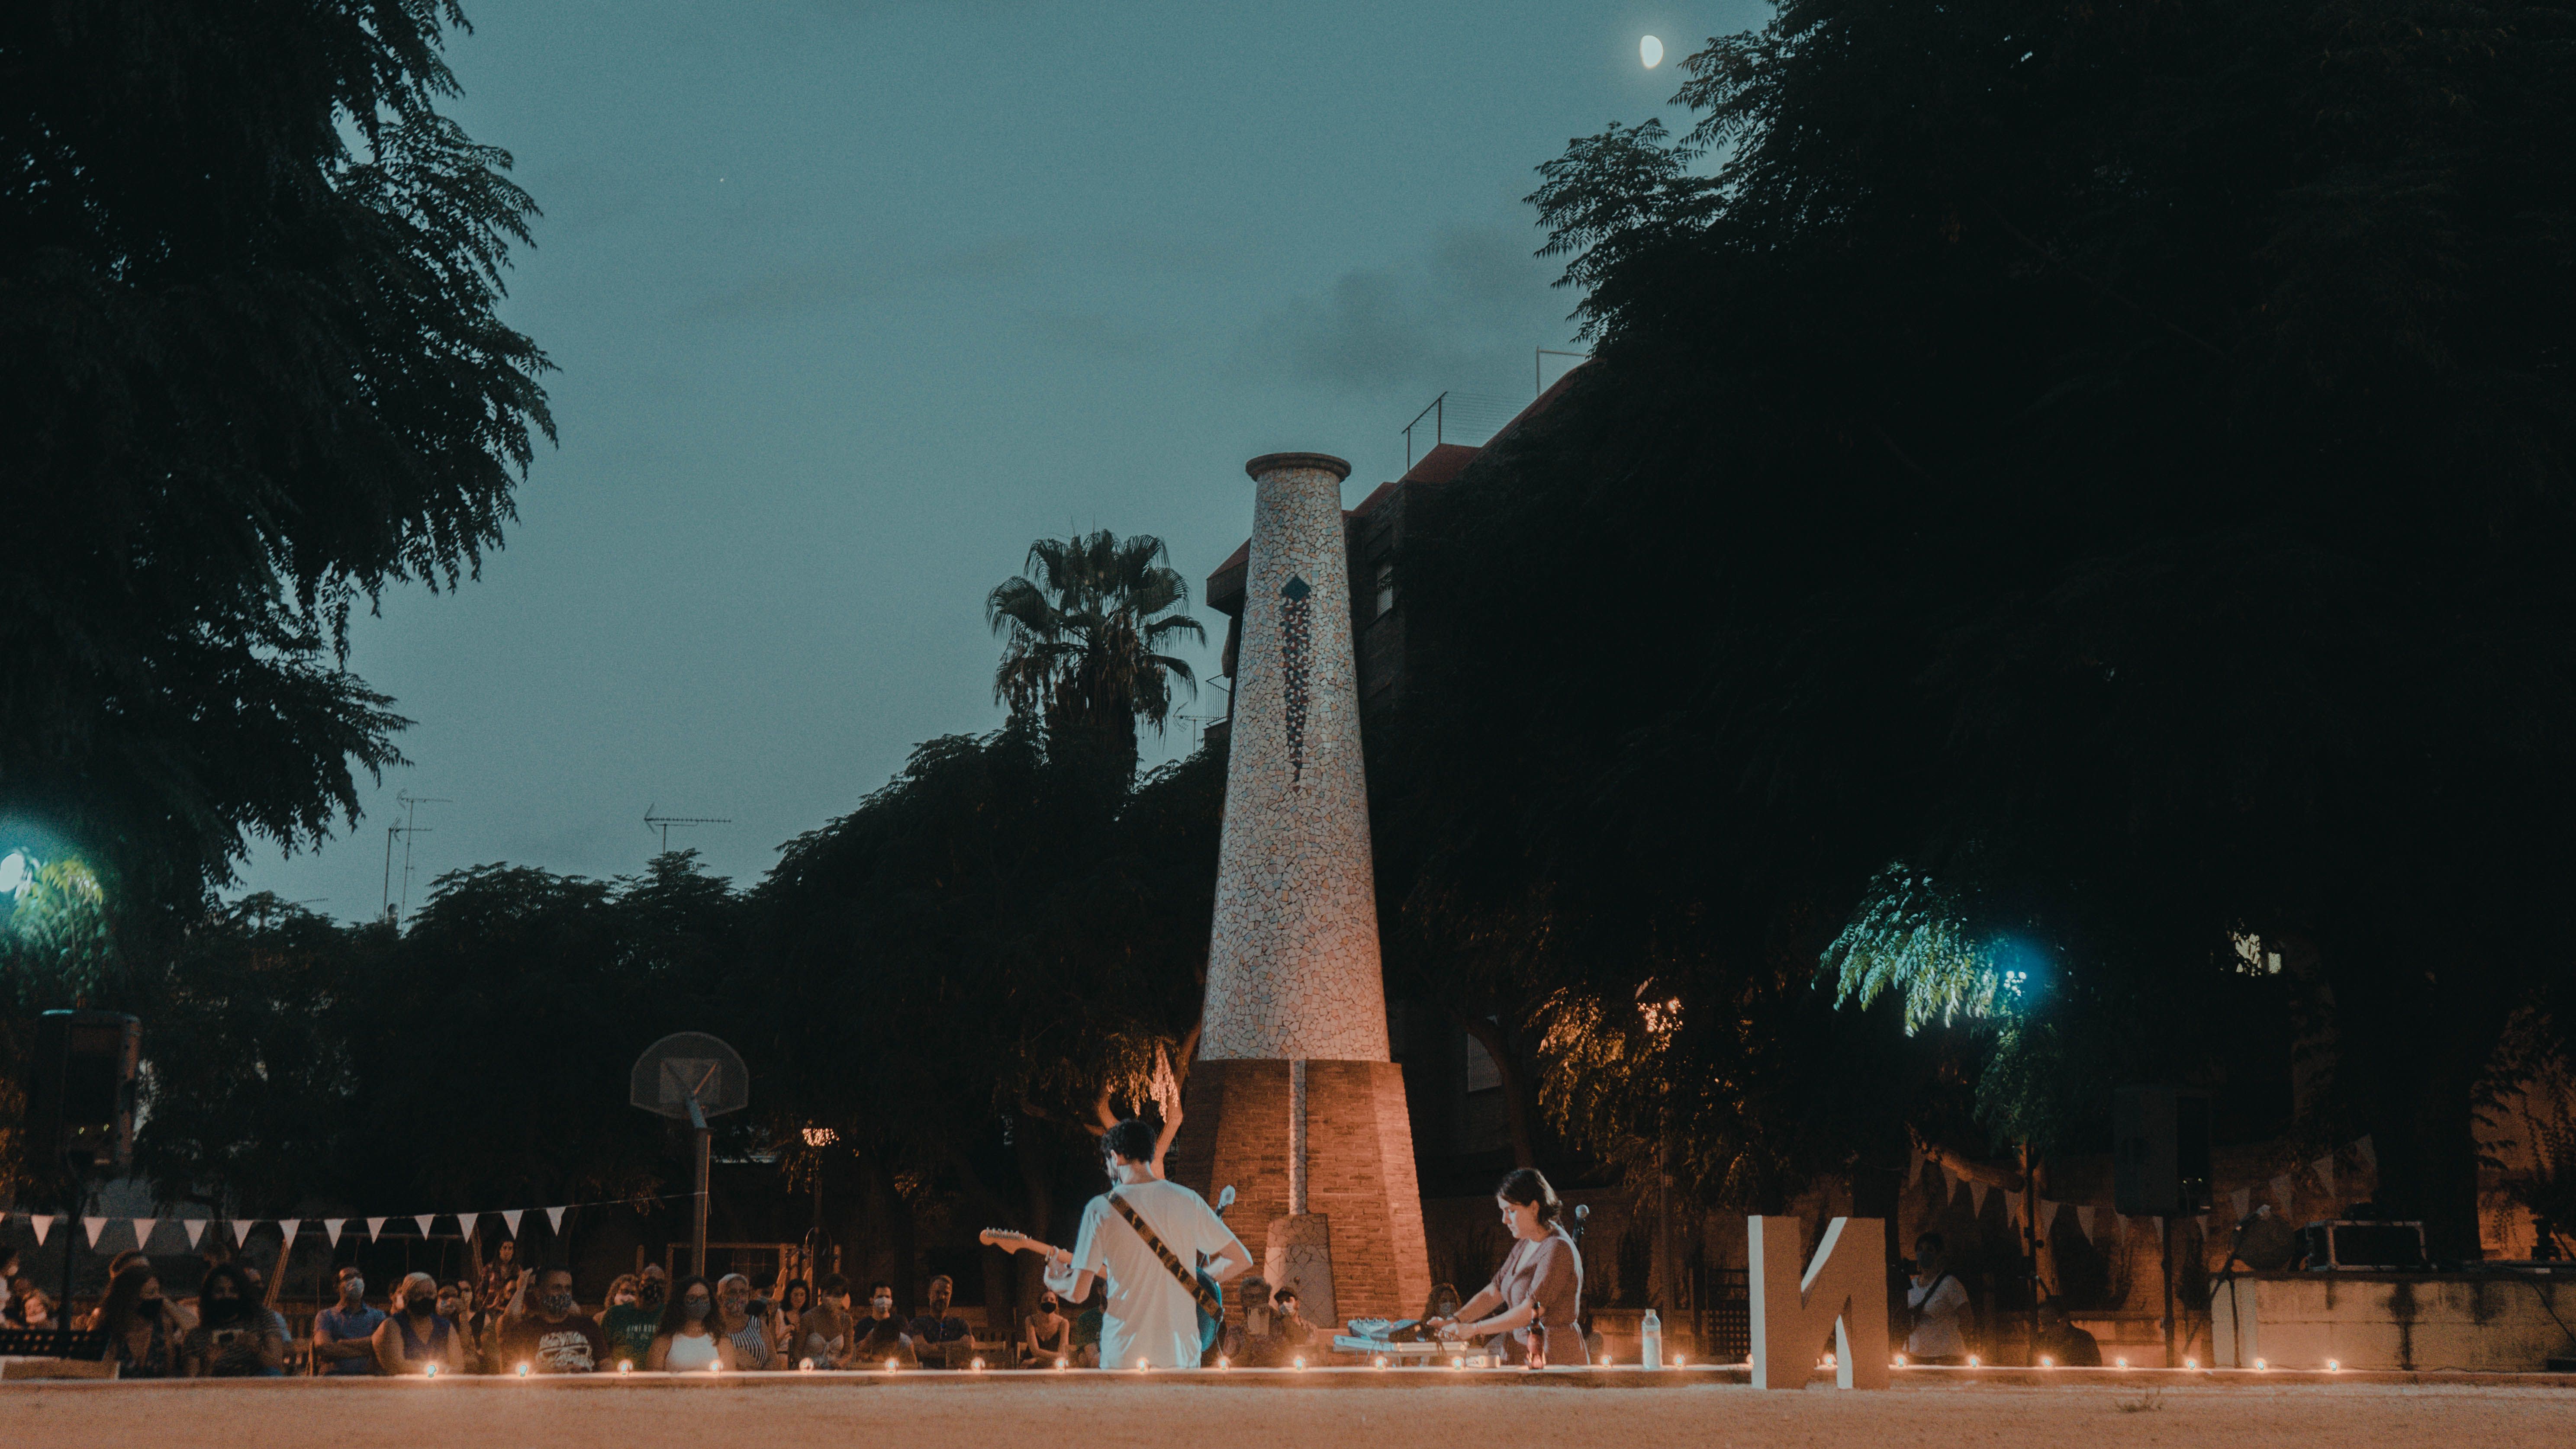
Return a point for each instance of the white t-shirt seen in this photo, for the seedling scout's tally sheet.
(1148, 1315)
(1938, 1306)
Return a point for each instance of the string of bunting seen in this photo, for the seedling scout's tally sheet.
(43, 1223)
(2281, 1190)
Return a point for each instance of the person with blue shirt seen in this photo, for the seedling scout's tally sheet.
(344, 1334)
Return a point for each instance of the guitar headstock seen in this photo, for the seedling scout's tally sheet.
(1004, 1238)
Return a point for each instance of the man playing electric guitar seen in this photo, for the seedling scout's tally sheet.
(1143, 1236)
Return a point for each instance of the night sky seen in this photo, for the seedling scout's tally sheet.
(852, 301)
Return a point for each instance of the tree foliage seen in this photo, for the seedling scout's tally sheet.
(2110, 461)
(1086, 640)
(251, 374)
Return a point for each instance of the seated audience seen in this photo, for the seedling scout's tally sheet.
(748, 1326)
(344, 1334)
(414, 1339)
(2061, 1342)
(881, 1335)
(237, 1335)
(690, 1339)
(544, 1330)
(143, 1335)
(825, 1334)
(938, 1335)
(1047, 1335)
(629, 1326)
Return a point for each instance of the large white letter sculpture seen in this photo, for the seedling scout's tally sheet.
(1846, 1287)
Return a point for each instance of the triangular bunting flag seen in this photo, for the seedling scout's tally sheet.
(1977, 1197)
(510, 1219)
(375, 1226)
(2281, 1193)
(331, 1229)
(143, 1232)
(423, 1220)
(241, 1232)
(93, 1224)
(2369, 1151)
(196, 1230)
(288, 1226)
(2084, 1219)
(2242, 1199)
(554, 1218)
(2324, 1168)
(43, 1223)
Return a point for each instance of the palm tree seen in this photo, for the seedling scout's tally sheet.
(1086, 636)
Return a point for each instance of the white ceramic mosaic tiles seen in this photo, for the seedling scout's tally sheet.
(1293, 963)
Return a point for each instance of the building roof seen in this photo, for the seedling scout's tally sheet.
(1444, 462)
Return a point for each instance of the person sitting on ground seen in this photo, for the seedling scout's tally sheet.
(499, 1278)
(543, 1328)
(344, 1335)
(34, 1309)
(1047, 1335)
(237, 1336)
(881, 1335)
(90, 1321)
(143, 1335)
(935, 1330)
(689, 1339)
(629, 1326)
(1288, 1325)
(823, 1334)
(794, 1301)
(1939, 1305)
(2062, 1343)
(413, 1339)
(748, 1326)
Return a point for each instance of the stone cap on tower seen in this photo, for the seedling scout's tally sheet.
(1269, 463)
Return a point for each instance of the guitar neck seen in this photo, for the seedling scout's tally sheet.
(1017, 1243)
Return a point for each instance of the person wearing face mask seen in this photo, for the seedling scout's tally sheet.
(629, 1325)
(753, 1334)
(344, 1335)
(236, 1336)
(415, 1340)
(823, 1332)
(691, 1339)
(543, 1329)
(1047, 1334)
(880, 1335)
(142, 1333)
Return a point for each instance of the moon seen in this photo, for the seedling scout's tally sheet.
(1651, 51)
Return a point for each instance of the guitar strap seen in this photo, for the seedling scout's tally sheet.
(1208, 1302)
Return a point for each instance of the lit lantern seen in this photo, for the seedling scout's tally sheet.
(1059, 1363)
(2261, 1364)
(523, 1370)
(1972, 1361)
(1297, 1363)
(2046, 1362)
(805, 1365)
(2191, 1363)
(1221, 1363)
(1458, 1361)
(627, 1365)
(889, 1365)
(2334, 1366)
(1899, 1361)
(977, 1364)
(430, 1372)
(2119, 1363)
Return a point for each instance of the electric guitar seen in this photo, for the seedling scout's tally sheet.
(1211, 1321)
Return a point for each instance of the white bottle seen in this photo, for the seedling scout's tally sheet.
(1650, 1337)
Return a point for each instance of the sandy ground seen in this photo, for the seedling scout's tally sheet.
(1103, 1413)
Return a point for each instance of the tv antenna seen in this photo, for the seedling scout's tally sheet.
(410, 804)
(663, 823)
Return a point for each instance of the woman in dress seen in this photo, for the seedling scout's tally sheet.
(1537, 1294)
(689, 1340)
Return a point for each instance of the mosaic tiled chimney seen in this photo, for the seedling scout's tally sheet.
(1293, 1100)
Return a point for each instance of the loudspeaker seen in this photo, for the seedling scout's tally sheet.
(2159, 1151)
(80, 1090)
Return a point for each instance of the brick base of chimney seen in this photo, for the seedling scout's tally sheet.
(1359, 1170)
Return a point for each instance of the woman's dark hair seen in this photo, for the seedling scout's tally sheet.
(835, 1285)
(125, 1299)
(675, 1312)
(787, 1300)
(230, 1273)
(1528, 1187)
(1930, 1242)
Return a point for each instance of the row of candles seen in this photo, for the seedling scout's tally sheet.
(1459, 1361)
